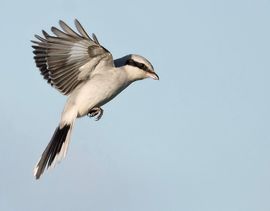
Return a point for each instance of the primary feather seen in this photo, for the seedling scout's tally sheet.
(68, 58)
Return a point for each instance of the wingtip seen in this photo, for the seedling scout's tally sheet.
(61, 23)
(37, 36)
(40, 38)
(45, 34)
(95, 38)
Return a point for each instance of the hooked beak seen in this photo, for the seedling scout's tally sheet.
(152, 74)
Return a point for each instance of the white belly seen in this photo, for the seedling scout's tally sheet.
(97, 92)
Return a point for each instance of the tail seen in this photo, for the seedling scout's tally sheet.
(55, 151)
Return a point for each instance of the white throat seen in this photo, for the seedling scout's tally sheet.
(133, 73)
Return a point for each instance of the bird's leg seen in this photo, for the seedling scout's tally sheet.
(96, 112)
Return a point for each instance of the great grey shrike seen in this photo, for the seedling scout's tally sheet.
(78, 66)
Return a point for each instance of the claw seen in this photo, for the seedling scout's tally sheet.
(96, 112)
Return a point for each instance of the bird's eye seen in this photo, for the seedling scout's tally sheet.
(129, 62)
(136, 64)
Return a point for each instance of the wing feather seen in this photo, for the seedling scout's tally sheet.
(67, 29)
(60, 34)
(68, 58)
(95, 38)
(81, 30)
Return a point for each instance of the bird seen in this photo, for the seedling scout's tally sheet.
(79, 67)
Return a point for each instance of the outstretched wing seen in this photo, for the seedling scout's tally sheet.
(69, 58)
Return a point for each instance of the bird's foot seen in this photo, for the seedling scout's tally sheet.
(96, 112)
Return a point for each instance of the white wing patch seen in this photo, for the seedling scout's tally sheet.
(68, 58)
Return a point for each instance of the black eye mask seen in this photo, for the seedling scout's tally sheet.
(142, 66)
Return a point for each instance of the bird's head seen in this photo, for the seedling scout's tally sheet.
(139, 67)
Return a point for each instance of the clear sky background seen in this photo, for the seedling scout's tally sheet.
(197, 140)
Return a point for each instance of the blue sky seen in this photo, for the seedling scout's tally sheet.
(197, 140)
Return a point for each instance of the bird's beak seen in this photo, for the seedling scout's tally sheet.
(152, 74)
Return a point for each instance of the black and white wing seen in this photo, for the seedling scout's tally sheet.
(69, 58)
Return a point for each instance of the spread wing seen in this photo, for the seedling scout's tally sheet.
(69, 58)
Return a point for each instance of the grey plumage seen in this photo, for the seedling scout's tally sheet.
(78, 66)
(60, 57)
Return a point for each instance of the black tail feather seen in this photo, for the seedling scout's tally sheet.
(53, 148)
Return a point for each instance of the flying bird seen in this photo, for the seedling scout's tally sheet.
(79, 67)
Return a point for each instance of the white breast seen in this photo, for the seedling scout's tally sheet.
(98, 91)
